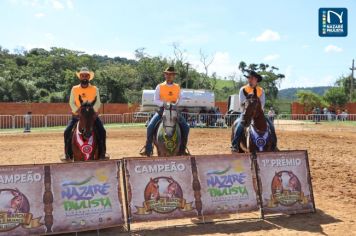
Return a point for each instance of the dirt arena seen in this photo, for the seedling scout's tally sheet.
(332, 159)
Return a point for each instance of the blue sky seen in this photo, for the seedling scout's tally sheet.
(278, 32)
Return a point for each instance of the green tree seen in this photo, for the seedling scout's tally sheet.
(310, 100)
(336, 97)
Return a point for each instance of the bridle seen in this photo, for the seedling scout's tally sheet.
(170, 116)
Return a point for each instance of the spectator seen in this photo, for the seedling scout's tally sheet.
(27, 119)
(271, 115)
(314, 114)
(317, 114)
(344, 115)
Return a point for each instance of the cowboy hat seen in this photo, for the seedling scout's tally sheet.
(85, 70)
(254, 74)
(170, 70)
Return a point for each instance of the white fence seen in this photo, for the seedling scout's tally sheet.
(194, 119)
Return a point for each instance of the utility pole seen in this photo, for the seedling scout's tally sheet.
(352, 79)
(186, 77)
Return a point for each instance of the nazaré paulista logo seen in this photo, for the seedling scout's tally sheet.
(332, 22)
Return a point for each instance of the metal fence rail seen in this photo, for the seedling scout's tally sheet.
(53, 120)
(195, 120)
(6, 121)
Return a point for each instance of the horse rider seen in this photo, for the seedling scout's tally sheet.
(88, 92)
(253, 79)
(167, 91)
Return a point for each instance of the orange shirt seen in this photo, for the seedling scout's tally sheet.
(169, 93)
(249, 90)
(87, 94)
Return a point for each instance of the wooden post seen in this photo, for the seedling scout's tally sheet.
(259, 185)
(196, 187)
(48, 200)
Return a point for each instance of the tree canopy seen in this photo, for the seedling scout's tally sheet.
(41, 75)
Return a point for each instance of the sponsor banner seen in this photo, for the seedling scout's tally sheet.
(160, 188)
(226, 184)
(285, 182)
(85, 196)
(21, 193)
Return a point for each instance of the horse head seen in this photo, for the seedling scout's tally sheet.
(87, 117)
(253, 107)
(169, 118)
(16, 202)
(152, 190)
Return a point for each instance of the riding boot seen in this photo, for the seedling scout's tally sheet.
(147, 150)
(235, 144)
(102, 150)
(68, 153)
(183, 151)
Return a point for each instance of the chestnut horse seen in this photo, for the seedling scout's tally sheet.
(84, 137)
(257, 134)
(152, 190)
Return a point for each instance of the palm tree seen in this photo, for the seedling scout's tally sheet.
(252, 66)
(242, 66)
(262, 67)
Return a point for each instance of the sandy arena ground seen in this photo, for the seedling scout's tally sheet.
(332, 160)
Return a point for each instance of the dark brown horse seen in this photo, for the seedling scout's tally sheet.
(84, 137)
(257, 134)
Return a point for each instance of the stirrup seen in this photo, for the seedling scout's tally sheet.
(185, 152)
(65, 158)
(234, 149)
(106, 157)
(143, 152)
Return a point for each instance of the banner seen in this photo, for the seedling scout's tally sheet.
(21, 207)
(159, 189)
(226, 184)
(285, 181)
(85, 196)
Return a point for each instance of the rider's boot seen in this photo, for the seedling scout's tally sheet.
(235, 148)
(147, 150)
(67, 151)
(183, 151)
(102, 150)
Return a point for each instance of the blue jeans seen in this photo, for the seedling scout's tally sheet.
(240, 129)
(151, 129)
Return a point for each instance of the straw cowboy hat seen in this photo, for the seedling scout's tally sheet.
(85, 70)
(254, 74)
(170, 70)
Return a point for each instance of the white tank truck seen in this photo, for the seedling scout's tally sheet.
(233, 109)
(192, 101)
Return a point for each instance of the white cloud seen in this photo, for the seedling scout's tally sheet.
(332, 48)
(267, 35)
(305, 46)
(222, 64)
(271, 57)
(70, 4)
(306, 80)
(57, 4)
(40, 15)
